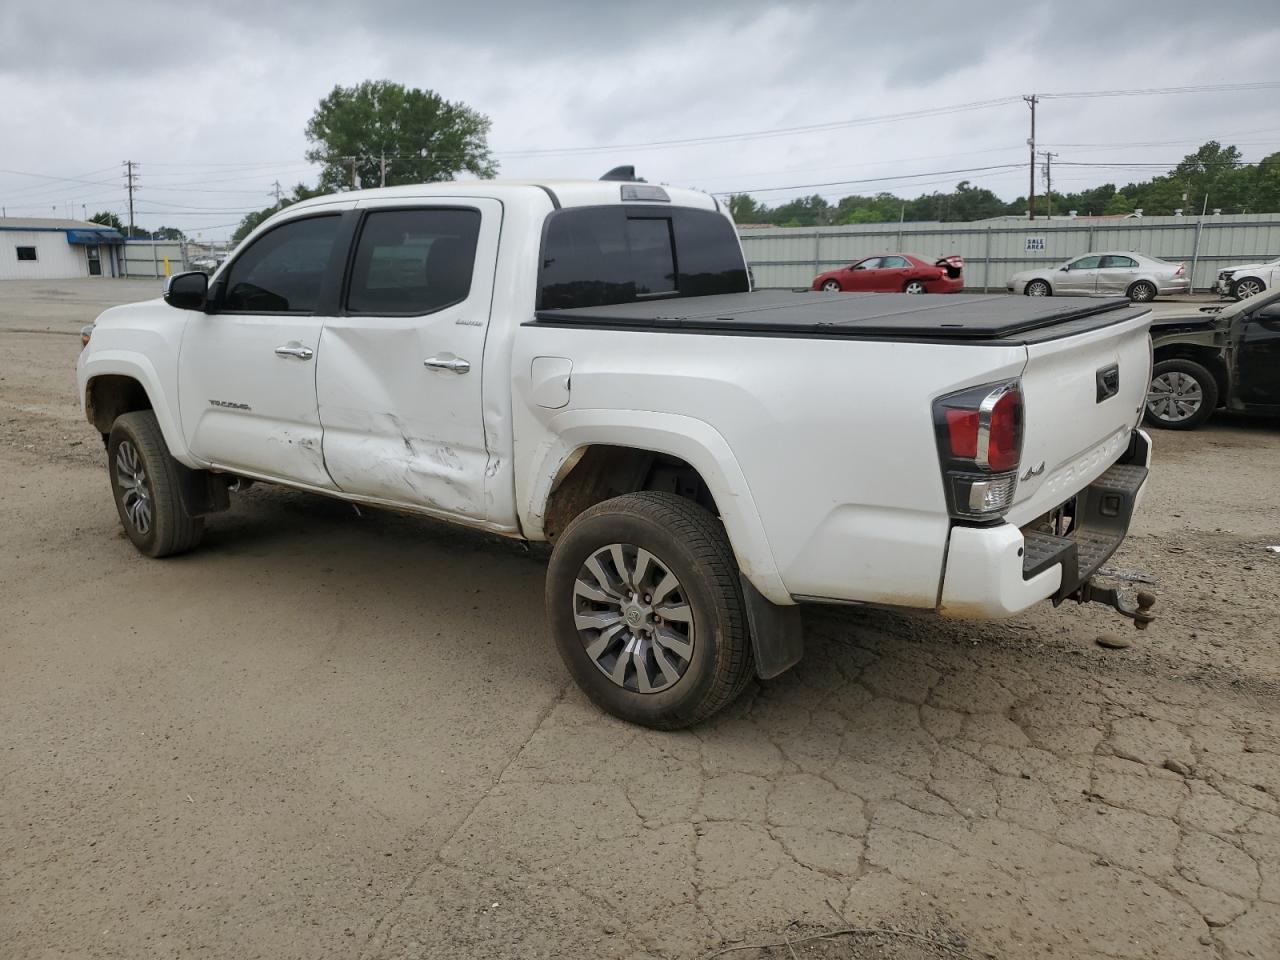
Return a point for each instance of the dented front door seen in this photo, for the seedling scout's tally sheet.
(399, 372)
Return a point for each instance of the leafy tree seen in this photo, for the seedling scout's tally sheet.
(422, 136)
(1119, 203)
(107, 220)
(745, 208)
(252, 220)
(168, 233)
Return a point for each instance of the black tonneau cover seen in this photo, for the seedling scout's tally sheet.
(894, 316)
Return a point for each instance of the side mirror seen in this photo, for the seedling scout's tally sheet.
(1064, 268)
(187, 291)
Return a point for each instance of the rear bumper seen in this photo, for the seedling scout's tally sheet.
(945, 285)
(994, 572)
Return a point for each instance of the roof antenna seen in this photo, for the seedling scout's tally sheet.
(627, 174)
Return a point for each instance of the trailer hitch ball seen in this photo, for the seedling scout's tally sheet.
(1140, 612)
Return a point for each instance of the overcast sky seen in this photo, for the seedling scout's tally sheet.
(212, 101)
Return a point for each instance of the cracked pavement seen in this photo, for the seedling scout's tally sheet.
(331, 735)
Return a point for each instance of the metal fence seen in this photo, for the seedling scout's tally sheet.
(993, 250)
(147, 258)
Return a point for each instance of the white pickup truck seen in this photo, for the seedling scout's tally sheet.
(584, 363)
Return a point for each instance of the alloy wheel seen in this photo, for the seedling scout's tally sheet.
(135, 491)
(634, 618)
(1248, 288)
(831, 286)
(1174, 396)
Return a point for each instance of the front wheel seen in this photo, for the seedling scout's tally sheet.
(646, 610)
(1037, 288)
(1182, 395)
(144, 483)
(1247, 287)
(831, 286)
(915, 286)
(1142, 292)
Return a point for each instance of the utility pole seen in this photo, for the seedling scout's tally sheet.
(1048, 180)
(276, 192)
(382, 166)
(1031, 142)
(355, 176)
(131, 178)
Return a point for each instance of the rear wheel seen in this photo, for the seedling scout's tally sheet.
(831, 286)
(1247, 287)
(144, 482)
(1038, 288)
(915, 286)
(1142, 292)
(1182, 395)
(646, 609)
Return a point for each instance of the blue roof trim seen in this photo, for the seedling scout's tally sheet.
(90, 237)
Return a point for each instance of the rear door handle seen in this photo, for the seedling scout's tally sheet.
(296, 350)
(447, 361)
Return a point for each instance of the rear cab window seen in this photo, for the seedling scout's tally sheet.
(621, 253)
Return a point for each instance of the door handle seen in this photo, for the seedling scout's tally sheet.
(447, 361)
(295, 350)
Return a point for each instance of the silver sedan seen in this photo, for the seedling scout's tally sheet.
(1133, 275)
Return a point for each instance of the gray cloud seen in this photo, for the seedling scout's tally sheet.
(189, 95)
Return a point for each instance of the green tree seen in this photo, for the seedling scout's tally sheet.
(744, 208)
(379, 128)
(107, 220)
(168, 233)
(1118, 203)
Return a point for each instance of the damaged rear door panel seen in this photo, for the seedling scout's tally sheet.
(399, 373)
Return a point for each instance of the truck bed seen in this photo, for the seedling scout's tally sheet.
(967, 318)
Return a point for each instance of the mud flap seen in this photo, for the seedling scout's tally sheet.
(202, 492)
(777, 635)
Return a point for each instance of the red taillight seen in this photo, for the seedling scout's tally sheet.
(1182, 268)
(962, 431)
(980, 443)
(1004, 446)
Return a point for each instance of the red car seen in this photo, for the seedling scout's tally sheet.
(895, 273)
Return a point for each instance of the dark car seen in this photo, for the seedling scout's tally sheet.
(1220, 358)
(895, 273)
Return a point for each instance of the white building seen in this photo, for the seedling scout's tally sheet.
(44, 249)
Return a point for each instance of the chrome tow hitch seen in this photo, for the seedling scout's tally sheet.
(1140, 612)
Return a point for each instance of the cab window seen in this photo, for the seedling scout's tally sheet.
(282, 271)
(893, 263)
(871, 263)
(413, 262)
(1118, 263)
(1085, 263)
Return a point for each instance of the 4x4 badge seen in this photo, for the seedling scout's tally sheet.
(1033, 472)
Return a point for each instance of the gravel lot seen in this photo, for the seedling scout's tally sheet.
(326, 735)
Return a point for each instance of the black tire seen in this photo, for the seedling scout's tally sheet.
(136, 439)
(914, 286)
(1040, 285)
(1142, 292)
(1246, 287)
(691, 544)
(1204, 380)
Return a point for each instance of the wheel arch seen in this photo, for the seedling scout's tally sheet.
(592, 458)
(118, 385)
(1027, 286)
(1155, 287)
(1236, 281)
(1208, 357)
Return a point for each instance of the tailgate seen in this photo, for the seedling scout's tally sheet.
(1083, 396)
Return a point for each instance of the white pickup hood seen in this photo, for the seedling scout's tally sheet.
(1071, 435)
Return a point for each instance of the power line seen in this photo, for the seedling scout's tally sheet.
(1166, 91)
(901, 176)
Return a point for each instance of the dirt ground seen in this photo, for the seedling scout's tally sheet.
(332, 735)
